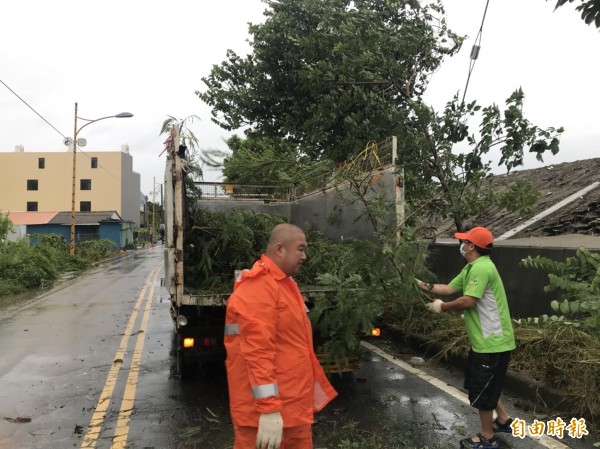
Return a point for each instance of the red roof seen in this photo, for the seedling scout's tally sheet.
(30, 218)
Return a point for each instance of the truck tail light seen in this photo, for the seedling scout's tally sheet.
(188, 342)
(206, 341)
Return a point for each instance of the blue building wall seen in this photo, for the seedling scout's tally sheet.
(111, 230)
(119, 232)
(44, 229)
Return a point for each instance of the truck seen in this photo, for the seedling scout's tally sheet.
(199, 319)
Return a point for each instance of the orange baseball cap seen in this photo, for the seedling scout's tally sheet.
(479, 235)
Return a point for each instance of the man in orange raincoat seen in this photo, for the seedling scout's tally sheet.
(275, 380)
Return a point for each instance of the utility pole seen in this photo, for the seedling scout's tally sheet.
(153, 207)
(399, 189)
(72, 240)
(75, 134)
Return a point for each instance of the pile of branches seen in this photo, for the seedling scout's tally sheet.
(218, 243)
(565, 359)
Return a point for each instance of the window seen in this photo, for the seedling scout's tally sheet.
(85, 233)
(85, 184)
(41, 162)
(85, 206)
(94, 162)
(32, 184)
(32, 206)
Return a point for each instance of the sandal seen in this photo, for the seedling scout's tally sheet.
(483, 443)
(503, 428)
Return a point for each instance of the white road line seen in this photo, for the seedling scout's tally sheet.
(544, 440)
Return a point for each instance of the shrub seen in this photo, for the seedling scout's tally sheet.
(24, 267)
(95, 250)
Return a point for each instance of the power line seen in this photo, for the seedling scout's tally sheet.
(29, 106)
(64, 137)
(475, 51)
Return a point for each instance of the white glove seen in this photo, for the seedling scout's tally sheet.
(270, 431)
(435, 306)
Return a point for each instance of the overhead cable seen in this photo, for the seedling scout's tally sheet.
(64, 137)
(475, 51)
(29, 106)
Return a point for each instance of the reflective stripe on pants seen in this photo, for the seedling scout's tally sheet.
(293, 437)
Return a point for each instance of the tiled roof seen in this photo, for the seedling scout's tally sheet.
(86, 218)
(31, 218)
(557, 184)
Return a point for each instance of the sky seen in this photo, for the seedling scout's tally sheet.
(148, 58)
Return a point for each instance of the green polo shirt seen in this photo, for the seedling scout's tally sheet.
(488, 324)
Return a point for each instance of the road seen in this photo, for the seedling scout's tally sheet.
(90, 365)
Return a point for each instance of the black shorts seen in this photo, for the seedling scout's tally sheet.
(484, 378)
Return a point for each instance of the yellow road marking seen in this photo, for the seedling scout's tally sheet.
(122, 429)
(93, 432)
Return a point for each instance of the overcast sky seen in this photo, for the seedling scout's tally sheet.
(147, 58)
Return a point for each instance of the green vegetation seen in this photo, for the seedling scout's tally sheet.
(218, 243)
(5, 227)
(563, 358)
(25, 266)
(577, 284)
(324, 78)
(562, 351)
(589, 9)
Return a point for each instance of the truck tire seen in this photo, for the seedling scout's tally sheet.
(185, 368)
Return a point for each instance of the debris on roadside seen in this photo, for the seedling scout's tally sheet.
(18, 419)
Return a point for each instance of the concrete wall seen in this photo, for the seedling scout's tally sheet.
(130, 190)
(225, 205)
(336, 214)
(18, 232)
(524, 286)
(127, 234)
(328, 211)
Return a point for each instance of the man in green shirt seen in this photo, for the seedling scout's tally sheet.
(488, 324)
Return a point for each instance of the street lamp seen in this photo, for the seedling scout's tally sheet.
(75, 133)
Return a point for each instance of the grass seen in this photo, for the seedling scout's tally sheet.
(560, 356)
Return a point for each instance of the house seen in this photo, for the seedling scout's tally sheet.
(88, 226)
(43, 182)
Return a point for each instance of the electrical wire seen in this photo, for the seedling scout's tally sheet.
(475, 51)
(64, 137)
(29, 106)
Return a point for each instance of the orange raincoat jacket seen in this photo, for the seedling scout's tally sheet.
(271, 364)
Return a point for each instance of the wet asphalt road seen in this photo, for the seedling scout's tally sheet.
(91, 364)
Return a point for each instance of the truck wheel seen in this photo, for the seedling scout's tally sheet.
(185, 369)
